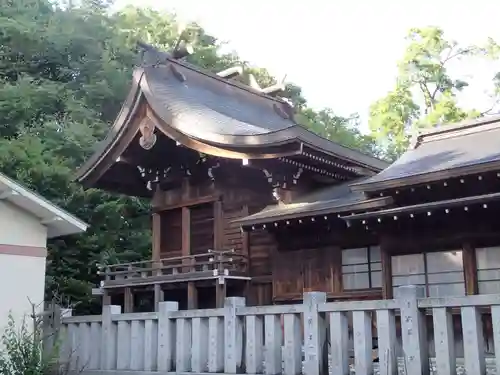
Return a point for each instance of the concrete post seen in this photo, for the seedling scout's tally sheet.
(108, 337)
(233, 335)
(316, 357)
(166, 336)
(413, 330)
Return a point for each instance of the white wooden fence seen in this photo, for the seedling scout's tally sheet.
(312, 338)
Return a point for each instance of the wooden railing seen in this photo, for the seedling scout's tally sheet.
(199, 266)
(313, 338)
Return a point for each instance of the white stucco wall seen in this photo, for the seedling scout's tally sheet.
(22, 263)
(18, 227)
(22, 280)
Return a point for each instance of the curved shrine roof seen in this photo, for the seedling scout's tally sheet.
(206, 112)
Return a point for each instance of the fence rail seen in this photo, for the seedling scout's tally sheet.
(311, 338)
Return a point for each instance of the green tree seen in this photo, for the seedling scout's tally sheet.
(64, 73)
(425, 94)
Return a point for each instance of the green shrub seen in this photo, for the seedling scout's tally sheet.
(21, 350)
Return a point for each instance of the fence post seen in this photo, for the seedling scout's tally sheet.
(108, 337)
(166, 336)
(413, 330)
(233, 335)
(50, 330)
(316, 352)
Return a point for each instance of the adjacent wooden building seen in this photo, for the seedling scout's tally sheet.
(247, 202)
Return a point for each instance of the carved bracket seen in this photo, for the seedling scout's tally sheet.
(282, 180)
(153, 176)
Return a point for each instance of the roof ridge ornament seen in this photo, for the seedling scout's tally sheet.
(232, 72)
(270, 90)
(181, 50)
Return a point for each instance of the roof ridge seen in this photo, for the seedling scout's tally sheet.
(234, 83)
(457, 129)
(167, 56)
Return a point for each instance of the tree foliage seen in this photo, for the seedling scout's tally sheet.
(64, 72)
(425, 94)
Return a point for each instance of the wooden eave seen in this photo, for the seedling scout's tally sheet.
(425, 178)
(416, 208)
(328, 210)
(441, 153)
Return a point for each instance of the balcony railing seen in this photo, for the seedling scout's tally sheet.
(210, 265)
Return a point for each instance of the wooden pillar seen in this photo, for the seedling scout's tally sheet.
(156, 257)
(192, 293)
(156, 243)
(186, 231)
(159, 296)
(386, 264)
(106, 298)
(218, 226)
(220, 293)
(128, 301)
(470, 268)
(192, 296)
(245, 248)
(336, 270)
(220, 289)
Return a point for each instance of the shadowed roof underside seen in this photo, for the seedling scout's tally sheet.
(446, 152)
(217, 116)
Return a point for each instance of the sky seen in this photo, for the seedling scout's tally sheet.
(343, 53)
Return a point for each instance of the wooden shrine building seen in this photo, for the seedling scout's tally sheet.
(428, 219)
(208, 150)
(246, 202)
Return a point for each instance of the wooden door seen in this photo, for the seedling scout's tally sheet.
(288, 275)
(317, 266)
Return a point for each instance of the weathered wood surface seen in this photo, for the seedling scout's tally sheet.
(174, 269)
(312, 338)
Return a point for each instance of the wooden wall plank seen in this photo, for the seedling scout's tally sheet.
(218, 226)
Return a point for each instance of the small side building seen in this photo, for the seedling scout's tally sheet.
(26, 222)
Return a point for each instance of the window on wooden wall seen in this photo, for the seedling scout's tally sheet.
(488, 270)
(441, 273)
(361, 268)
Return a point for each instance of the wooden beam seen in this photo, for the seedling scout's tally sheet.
(186, 203)
(470, 268)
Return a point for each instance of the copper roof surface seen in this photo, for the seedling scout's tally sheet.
(445, 152)
(214, 115)
(223, 113)
(334, 199)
